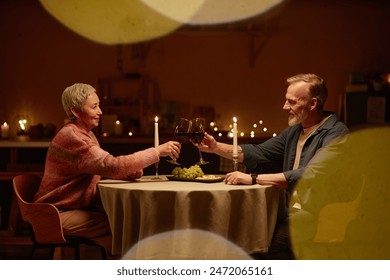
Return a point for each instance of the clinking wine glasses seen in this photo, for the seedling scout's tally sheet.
(190, 130)
(197, 134)
(181, 134)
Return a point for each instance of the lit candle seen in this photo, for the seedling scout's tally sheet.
(118, 129)
(235, 151)
(5, 130)
(156, 142)
(22, 126)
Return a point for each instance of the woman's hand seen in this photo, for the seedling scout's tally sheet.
(238, 178)
(169, 149)
(136, 175)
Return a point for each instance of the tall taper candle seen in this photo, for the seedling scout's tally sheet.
(156, 141)
(235, 151)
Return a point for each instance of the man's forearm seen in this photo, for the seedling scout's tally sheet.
(276, 179)
(226, 151)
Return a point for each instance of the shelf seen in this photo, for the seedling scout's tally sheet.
(24, 144)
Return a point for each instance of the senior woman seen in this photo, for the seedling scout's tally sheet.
(75, 163)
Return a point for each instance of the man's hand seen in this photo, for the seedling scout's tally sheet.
(238, 178)
(208, 145)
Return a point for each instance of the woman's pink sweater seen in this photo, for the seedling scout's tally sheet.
(75, 163)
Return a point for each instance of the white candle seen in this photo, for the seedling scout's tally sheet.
(235, 151)
(5, 130)
(156, 141)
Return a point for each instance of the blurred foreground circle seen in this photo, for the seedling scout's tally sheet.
(345, 199)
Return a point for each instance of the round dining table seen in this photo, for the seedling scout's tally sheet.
(245, 215)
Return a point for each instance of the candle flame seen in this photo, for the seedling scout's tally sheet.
(156, 119)
(117, 122)
(22, 124)
(234, 119)
(5, 124)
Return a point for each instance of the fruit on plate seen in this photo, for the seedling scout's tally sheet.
(188, 173)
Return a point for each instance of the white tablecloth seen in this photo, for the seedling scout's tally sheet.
(245, 215)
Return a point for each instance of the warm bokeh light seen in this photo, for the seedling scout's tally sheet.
(185, 244)
(344, 195)
(121, 22)
(111, 22)
(210, 11)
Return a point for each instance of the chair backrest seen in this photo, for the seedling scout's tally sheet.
(43, 217)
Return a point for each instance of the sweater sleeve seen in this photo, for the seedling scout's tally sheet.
(94, 160)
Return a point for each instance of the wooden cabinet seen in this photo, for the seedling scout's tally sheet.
(363, 105)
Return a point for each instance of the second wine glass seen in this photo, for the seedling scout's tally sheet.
(181, 134)
(197, 134)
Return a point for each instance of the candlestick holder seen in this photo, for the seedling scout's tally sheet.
(157, 177)
(235, 162)
(235, 159)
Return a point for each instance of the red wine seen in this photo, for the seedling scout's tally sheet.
(197, 137)
(182, 137)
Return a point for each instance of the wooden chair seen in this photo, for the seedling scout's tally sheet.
(45, 220)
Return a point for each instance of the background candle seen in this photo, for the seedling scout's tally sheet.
(5, 130)
(235, 151)
(156, 141)
(118, 129)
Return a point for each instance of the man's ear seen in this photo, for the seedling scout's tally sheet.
(313, 103)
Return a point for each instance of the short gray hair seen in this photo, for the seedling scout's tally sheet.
(74, 96)
(317, 86)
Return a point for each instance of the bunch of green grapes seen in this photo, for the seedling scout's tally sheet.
(188, 173)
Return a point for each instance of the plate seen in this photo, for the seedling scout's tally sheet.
(219, 178)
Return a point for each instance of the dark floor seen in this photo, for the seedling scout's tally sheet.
(22, 252)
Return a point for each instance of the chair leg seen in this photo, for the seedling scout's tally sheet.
(77, 251)
(32, 251)
(52, 250)
(103, 253)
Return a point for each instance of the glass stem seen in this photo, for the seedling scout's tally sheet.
(200, 156)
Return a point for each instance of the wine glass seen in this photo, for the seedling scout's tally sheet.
(181, 134)
(197, 134)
